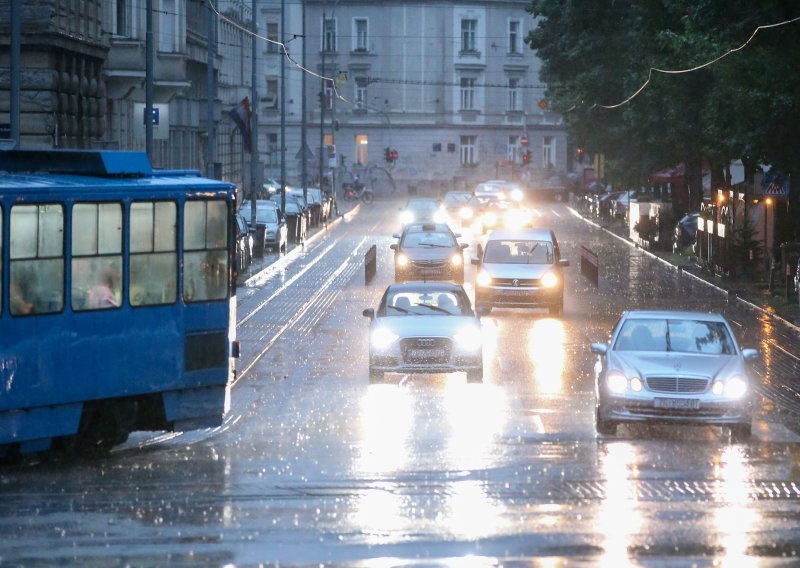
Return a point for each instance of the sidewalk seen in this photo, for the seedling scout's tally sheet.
(754, 292)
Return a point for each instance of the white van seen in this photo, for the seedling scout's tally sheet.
(520, 269)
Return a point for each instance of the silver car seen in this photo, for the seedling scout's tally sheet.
(425, 327)
(673, 367)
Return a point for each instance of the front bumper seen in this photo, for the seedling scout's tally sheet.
(445, 272)
(395, 361)
(709, 411)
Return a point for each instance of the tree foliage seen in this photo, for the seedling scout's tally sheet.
(744, 106)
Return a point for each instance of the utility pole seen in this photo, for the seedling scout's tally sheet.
(322, 100)
(254, 177)
(211, 150)
(303, 140)
(148, 80)
(16, 72)
(283, 110)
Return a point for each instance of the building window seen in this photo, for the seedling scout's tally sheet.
(272, 35)
(271, 100)
(361, 92)
(468, 28)
(468, 153)
(513, 94)
(513, 152)
(360, 35)
(168, 32)
(123, 18)
(362, 142)
(549, 152)
(467, 93)
(329, 35)
(514, 36)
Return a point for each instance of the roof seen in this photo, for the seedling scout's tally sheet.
(511, 234)
(673, 314)
(423, 227)
(432, 286)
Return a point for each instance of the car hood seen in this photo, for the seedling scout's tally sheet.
(425, 326)
(516, 270)
(672, 364)
(428, 253)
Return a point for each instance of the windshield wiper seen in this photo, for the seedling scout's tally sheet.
(437, 308)
(434, 245)
(404, 310)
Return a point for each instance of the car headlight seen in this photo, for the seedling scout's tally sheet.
(483, 279)
(406, 217)
(501, 195)
(402, 260)
(440, 216)
(465, 213)
(516, 195)
(549, 280)
(617, 382)
(735, 387)
(490, 219)
(456, 260)
(469, 338)
(382, 338)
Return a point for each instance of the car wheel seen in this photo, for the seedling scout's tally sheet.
(475, 375)
(604, 427)
(741, 432)
(375, 375)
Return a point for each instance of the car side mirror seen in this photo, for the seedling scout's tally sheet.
(750, 354)
(599, 348)
(369, 313)
(563, 263)
(476, 261)
(396, 236)
(457, 235)
(393, 246)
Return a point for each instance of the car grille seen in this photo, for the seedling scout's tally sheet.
(429, 263)
(677, 384)
(432, 350)
(519, 282)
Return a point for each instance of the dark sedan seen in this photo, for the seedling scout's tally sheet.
(428, 251)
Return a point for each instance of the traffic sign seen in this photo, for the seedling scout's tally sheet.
(523, 140)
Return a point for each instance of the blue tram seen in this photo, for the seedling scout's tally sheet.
(117, 299)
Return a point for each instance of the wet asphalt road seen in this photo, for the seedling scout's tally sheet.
(316, 466)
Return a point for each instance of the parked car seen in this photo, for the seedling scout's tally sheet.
(270, 222)
(296, 219)
(244, 243)
(676, 368)
(319, 205)
(520, 269)
(425, 327)
(685, 233)
(428, 251)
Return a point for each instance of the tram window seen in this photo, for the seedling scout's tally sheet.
(96, 256)
(2, 256)
(154, 259)
(205, 258)
(36, 272)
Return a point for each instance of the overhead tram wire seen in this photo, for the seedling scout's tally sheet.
(692, 69)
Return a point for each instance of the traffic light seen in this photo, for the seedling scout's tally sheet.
(387, 154)
(526, 157)
(579, 155)
(395, 155)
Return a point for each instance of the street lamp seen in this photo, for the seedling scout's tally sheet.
(767, 248)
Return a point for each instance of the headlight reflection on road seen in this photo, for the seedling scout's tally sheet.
(471, 513)
(737, 518)
(546, 352)
(619, 518)
(477, 414)
(386, 420)
(380, 515)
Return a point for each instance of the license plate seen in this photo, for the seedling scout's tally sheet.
(425, 353)
(516, 292)
(678, 403)
(431, 271)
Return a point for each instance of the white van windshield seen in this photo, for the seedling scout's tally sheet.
(519, 252)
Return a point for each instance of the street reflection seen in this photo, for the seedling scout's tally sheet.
(489, 333)
(619, 517)
(737, 519)
(387, 418)
(471, 513)
(477, 414)
(380, 515)
(546, 352)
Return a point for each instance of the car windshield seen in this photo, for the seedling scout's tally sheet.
(437, 303)
(423, 206)
(519, 252)
(263, 214)
(428, 240)
(678, 335)
(457, 198)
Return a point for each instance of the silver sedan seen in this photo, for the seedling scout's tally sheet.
(673, 367)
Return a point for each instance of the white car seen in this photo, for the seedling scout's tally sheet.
(425, 327)
(673, 367)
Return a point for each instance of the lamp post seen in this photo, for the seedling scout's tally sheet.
(767, 247)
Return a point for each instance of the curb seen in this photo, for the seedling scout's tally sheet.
(281, 262)
(764, 310)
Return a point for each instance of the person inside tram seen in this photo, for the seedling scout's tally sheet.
(101, 295)
(19, 297)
